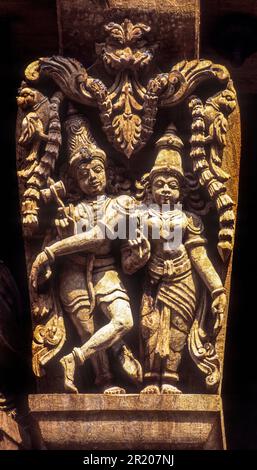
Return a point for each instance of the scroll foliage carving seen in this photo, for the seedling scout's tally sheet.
(128, 107)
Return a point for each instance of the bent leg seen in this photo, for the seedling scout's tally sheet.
(119, 312)
(85, 325)
(76, 303)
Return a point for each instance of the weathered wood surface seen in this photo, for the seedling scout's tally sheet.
(128, 422)
(174, 23)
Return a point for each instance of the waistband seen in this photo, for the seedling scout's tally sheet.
(160, 268)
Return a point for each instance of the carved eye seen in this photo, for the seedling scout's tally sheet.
(98, 169)
(158, 184)
(173, 185)
(83, 171)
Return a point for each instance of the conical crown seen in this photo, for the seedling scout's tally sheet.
(80, 142)
(169, 148)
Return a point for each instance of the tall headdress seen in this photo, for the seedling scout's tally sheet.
(81, 144)
(169, 149)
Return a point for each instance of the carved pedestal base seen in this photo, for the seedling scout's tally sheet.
(100, 422)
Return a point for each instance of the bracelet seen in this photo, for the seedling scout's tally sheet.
(49, 254)
(218, 291)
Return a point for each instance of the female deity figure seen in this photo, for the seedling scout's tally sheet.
(178, 271)
(88, 279)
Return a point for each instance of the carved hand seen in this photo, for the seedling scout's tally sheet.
(65, 223)
(218, 308)
(40, 270)
(140, 246)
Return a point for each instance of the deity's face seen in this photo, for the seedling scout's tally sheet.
(91, 177)
(165, 189)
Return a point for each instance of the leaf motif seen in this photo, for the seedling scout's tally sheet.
(126, 32)
(69, 75)
(189, 74)
(137, 31)
(127, 130)
(116, 31)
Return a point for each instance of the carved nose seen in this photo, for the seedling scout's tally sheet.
(91, 175)
(166, 189)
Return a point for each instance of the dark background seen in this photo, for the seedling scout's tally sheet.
(28, 30)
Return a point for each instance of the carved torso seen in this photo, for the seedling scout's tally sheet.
(168, 251)
(87, 213)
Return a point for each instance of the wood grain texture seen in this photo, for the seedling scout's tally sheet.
(99, 422)
(174, 23)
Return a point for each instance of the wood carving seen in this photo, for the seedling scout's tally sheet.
(86, 280)
(175, 303)
(77, 195)
(129, 105)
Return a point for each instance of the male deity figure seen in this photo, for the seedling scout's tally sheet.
(178, 271)
(88, 277)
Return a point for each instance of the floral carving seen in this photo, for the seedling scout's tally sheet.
(125, 47)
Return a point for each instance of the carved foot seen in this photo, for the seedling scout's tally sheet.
(168, 389)
(68, 365)
(151, 390)
(114, 391)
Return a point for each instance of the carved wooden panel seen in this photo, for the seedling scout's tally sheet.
(122, 138)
